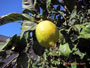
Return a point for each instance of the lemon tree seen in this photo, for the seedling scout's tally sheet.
(54, 34)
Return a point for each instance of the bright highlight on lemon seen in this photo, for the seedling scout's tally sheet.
(47, 33)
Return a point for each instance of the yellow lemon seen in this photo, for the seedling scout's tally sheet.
(47, 33)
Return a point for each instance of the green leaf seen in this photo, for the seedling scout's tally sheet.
(28, 26)
(15, 17)
(56, 62)
(23, 61)
(27, 11)
(2, 45)
(85, 33)
(73, 14)
(79, 53)
(73, 17)
(29, 4)
(27, 36)
(62, 14)
(61, 37)
(65, 50)
(77, 28)
(74, 32)
(28, 17)
(88, 11)
(48, 3)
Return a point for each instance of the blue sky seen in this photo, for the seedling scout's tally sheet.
(10, 6)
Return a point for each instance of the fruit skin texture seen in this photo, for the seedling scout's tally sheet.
(47, 33)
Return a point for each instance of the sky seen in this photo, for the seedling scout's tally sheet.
(6, 7)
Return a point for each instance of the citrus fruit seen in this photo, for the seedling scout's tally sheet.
(47, 33)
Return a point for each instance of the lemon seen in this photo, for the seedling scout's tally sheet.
(47, 33)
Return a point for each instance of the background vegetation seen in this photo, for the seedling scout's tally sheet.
(72, 17)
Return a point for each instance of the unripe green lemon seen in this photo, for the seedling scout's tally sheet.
(47, 33)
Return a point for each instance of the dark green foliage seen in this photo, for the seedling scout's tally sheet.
(72, 18)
